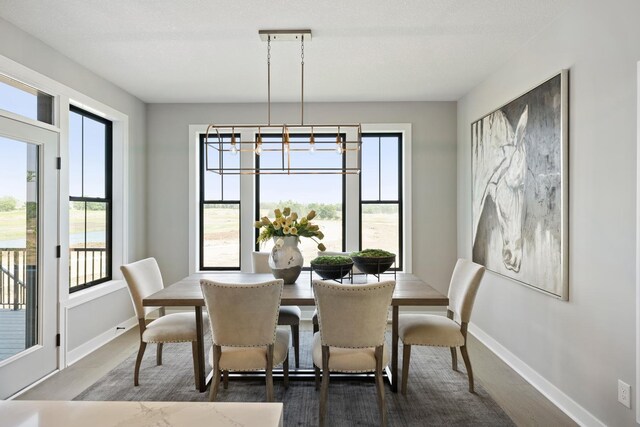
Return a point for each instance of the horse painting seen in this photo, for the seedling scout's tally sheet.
(517, 194)
(505, 168)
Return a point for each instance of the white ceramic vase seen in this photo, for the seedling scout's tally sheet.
(286, 260)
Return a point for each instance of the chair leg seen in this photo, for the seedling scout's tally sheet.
(159, 353)
(380, 387)
(324, 392)
(454, 358)
(269, 373)
(196, 369)
(136, 371)
(295, 335)
(406, 357)
(467, 364)
(225, 379)
(317, 375)
(285, 372)
(217, 352)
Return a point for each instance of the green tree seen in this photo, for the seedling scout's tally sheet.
(8, 203)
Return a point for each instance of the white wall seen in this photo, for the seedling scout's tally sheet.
(433, 163)
(34, 54)
(585, 345)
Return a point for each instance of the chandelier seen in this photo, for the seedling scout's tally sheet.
(286, 142)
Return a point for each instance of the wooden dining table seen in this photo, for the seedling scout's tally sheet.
(409, 291)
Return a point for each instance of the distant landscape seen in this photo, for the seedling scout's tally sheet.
(221, 225)
(221, 238)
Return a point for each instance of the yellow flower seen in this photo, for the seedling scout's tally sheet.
(278, 213)
(288, 222)
(313, 227)
(294, 230)
(321, 247)
(257, 224)
(320, 235)
(311, 215)
(304, 220)
(286, 229)
(294, 216)
(276, 225)
(265, 221)
(286, 211)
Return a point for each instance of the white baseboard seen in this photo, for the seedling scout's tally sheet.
(569, 406)
(93, 344)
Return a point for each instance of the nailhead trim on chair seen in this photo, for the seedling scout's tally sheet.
(342, 288)
(252, 286)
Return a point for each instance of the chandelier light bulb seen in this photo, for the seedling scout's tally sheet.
(312, 148)
(234, 149)
(259, 149)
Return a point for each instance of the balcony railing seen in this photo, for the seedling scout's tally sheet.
(85, 265)
(13, 273)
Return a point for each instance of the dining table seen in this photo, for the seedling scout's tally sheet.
(410, 290)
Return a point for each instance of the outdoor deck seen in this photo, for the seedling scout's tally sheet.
(12, 332)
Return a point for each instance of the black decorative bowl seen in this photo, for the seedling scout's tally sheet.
(373, 265)
(332, 271)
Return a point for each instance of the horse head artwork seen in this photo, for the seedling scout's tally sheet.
(500, 160)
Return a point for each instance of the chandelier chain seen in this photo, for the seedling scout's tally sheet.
(269, 79)
(302, 80)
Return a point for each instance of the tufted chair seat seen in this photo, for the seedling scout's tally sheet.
(428, 329)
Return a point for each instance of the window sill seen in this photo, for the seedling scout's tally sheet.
(94, 292)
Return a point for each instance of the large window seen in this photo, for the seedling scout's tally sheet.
(90, 161)
(323, 193)
(219, 208)
(353, 211)
(381, 194)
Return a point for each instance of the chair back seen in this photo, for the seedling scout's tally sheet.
(143, 279)
(243, 315)
(260, 262)
(463, 288)
(353, 316)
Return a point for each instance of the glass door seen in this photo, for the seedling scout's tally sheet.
(28, 264)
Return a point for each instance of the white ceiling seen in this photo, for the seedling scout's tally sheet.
(362, 50)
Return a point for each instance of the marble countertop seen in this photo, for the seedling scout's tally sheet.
(16, 413)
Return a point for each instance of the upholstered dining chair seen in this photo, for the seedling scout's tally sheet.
(450, 331)
(353, 320)
(244, 330)
(354, 270)
(143, 279)
(290, 315)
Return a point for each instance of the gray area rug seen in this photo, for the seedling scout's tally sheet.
(436, 395)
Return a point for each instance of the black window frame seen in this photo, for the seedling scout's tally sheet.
(202, 202)
(108, 199)
(344, 183)
(399, 201)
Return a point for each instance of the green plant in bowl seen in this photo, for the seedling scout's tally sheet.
(332, 267)
(373, 261)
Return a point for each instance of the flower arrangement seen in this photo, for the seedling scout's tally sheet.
(288, 223)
